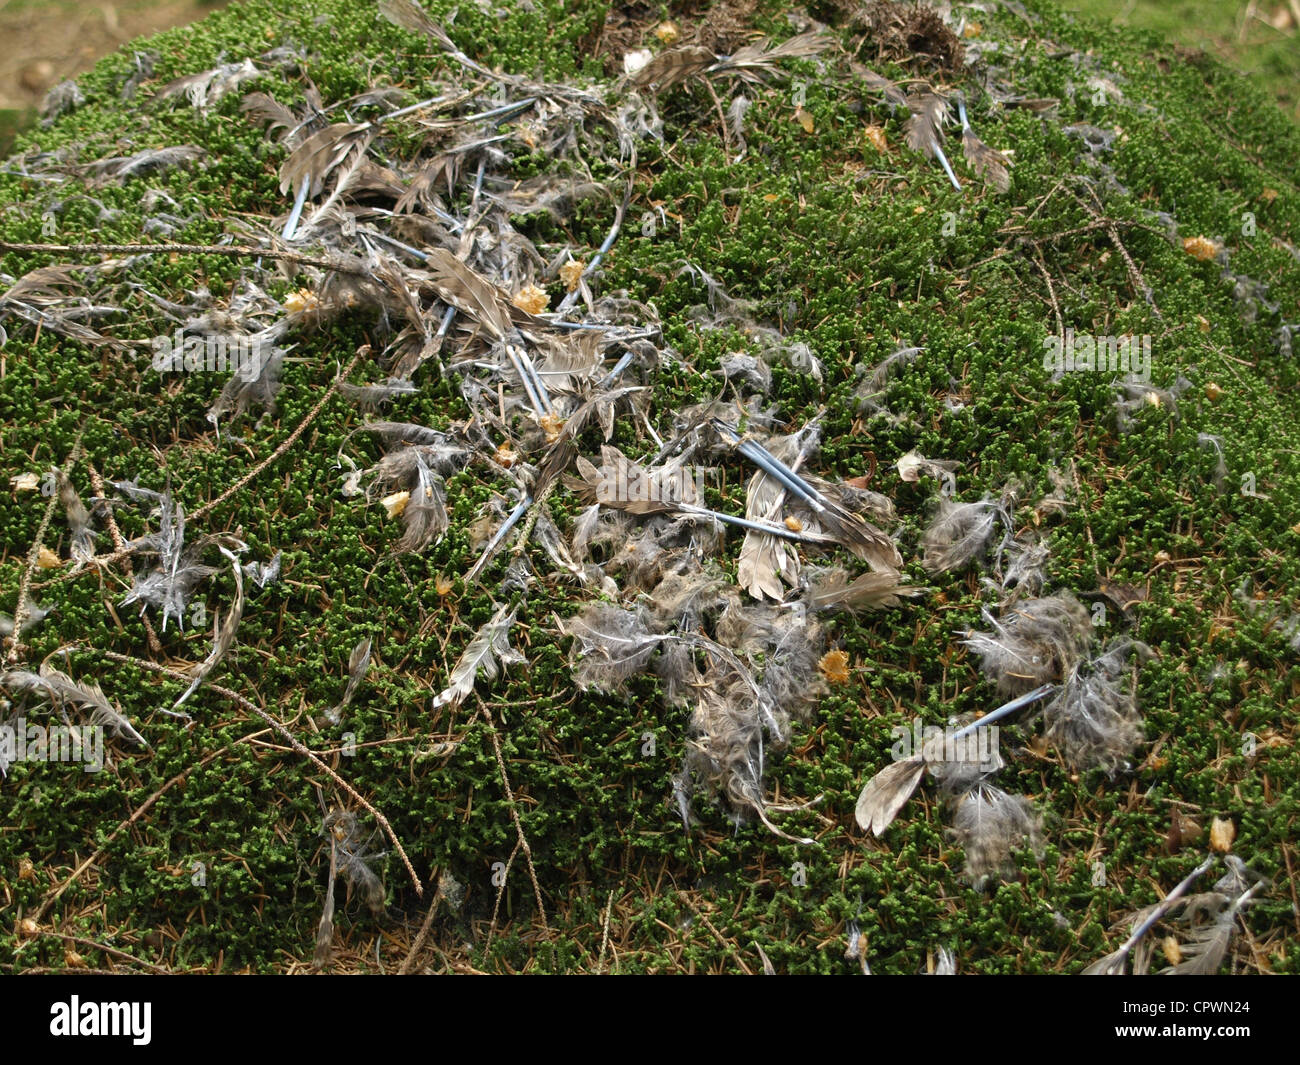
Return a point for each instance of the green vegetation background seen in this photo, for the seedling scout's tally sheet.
(847, 252)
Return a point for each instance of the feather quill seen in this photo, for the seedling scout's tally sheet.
(859, 536)
(928, 114)
(1114, 963)
(887, 791)
(411, 17)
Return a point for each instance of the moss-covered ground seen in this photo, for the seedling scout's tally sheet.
(848, 248)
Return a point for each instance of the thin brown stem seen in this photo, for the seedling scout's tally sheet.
(341, 266)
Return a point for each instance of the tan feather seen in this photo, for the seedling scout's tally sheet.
(470, 292)
(765, 560)
(929, 112)
(989, 164)
(754, 60)
(675, 65)
(870, 591)
(886, 793)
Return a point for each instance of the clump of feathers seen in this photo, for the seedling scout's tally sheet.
(1095, 719)
(990, 825)
(169, 586)
(959, 533)
(1035, 642)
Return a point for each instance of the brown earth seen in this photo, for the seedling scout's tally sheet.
(50, 41)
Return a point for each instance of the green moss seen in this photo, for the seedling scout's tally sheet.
(846, 251)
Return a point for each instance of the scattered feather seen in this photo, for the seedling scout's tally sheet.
(959, 533)
(223, 634)
(119, 168)
(1140, 923)
(1095, 718)
(264, 573)
(886, 793)
(490, 646)
(257, 383)
(1205, 948)
(831, 589)
(35, 615)
(989, 825)
(913, 466)
(1133, 396)
(353, 860)
(372, 397)
(1215, 444)
(990, 165)
(358, 667)
(207, 87)
(169, 586)
(83, 541)
(611, 645)
(670, 67)
(61, 691)
(929, 112)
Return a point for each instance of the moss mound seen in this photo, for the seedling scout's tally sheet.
(207, 847)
